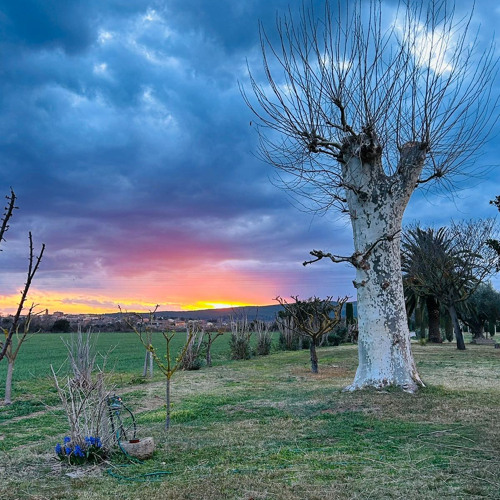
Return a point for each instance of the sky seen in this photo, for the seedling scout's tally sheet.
(125, 137)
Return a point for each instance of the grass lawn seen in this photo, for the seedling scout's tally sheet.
(267, 429)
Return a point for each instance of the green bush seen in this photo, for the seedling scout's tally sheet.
(61, 326)
(264, 345)
(289, 342)
(240, 346)
(337, 336)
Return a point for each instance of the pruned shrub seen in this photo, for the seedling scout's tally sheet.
(192, 358)
(83, 397)
(289, 339)
(240, 339)
(264, 337)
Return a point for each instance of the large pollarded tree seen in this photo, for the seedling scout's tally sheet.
(357, 106)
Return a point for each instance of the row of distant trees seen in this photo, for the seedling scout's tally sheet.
(41, 323)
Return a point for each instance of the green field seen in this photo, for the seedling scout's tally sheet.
(267, 428)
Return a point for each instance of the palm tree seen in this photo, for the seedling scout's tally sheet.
(417, 245)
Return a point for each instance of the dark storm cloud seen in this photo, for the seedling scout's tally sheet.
(48, 24)
(128, 142)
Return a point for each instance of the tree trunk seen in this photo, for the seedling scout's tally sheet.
(376, 206)
(491, 328)
(456, 325)
(167, 398)
(418, 321)
(145, 368)
(477, 330)
(314, 356)
(448, 327)
(8, 383)
(434, 323)
(209, 355)
(422, 334)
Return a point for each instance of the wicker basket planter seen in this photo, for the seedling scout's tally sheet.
(139, 448)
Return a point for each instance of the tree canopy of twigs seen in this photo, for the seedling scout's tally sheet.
(313, 318)
(413, 74)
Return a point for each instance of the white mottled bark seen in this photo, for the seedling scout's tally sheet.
(376, 204)
(8, 383)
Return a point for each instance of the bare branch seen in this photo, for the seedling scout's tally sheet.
(9, 210)
(357, 259)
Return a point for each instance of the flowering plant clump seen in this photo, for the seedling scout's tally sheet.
(90, 450)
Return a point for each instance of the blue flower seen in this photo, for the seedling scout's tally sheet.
(67, 439)
(67, 450)
(58, 449)
(98, 442)
(78, 451)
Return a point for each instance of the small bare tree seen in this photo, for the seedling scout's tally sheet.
(289, 338)
(357, 109)
(12, 351)
(84, 395)
(33, 264)
(264, 336)
(312, 318)
(82, 355)
(210, 338)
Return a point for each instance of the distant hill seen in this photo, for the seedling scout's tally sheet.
(264, 313)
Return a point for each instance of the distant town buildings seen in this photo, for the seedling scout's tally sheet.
(44, 322)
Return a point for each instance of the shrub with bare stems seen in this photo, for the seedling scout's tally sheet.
(192, 357)
(264, 337)
(83, 394)
(240, 338)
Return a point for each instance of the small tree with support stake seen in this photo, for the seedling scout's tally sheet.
(164, 363)
(312, 318)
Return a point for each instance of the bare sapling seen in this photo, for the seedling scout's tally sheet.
(82, 355)
(312, 318)
(33, 265)
(289, 338)
(210, 338)
(240, 338)
(12, 351)
(165, 363)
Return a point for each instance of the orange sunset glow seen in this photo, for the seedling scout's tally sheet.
(186, 291)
